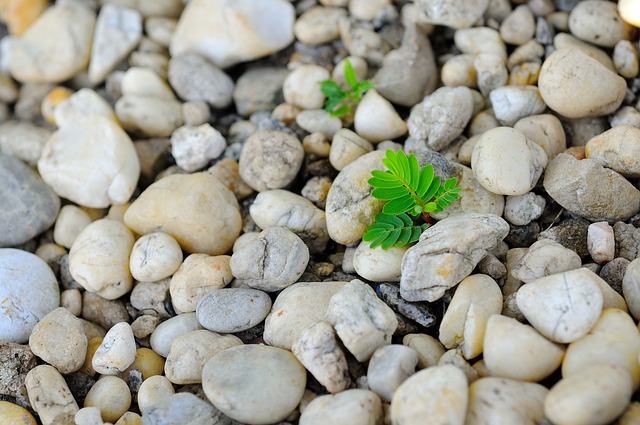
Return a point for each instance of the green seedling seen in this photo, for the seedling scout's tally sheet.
(340, 102)
(410, 193)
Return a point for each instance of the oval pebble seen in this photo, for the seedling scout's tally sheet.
(12, 414)
(116, 352)
(353, 406)
(183, 408)
(152, 391)
(230, 310)
(154, 256)
(50, 396)
(198, 275)
(256, 384)
(164, 334)
(111, 395)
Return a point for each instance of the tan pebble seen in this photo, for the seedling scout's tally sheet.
(53, 99)
(129, 418)
(152, 391)
(92, 346)
(50, 396)
(148, 362)
(12, 414)
(18, 15)
(111, 395)
(198, 275)
(285, 112)
(429, 349)
(578, 152)
(228, 172)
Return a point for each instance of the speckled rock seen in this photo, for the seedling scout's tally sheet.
(194, 146)
(451, 13)
(207, 205)
(27, 205)
(589, 190)
(617, 149)
(31, 290)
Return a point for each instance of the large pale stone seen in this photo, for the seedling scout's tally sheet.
(376, 119)
(451, 12)
(50, 396)
(191, 216)
(617, 149)
(231, 31)
(95, 151)
(56, 46)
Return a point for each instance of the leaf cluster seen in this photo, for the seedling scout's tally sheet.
(410, 192)
(340, 102)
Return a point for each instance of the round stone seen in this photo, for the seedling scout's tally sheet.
(12, 414)
(231, 310)
(198, 275)
(116, 352)
(111, 395)
(29, 290)
(256, 384)
(155, 256)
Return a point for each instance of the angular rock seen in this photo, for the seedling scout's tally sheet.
(376, 119)
(422, 314)
(447, 253)
(194, 146)
(617, 149)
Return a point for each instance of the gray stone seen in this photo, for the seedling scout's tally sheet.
(627, 239)
(195, 78)
(29, 291)
(420, 313)
(545, 257)
(389, 366)
(441, 117)
(16, 360)
(23, 140)
(452, 13)
(27, 205)
(164, 334)
(362, 321)
(183, 408)
(230, 310)
(447, 253)
(589, 190)
(259, 89)
(522, 209)
(273, 261)
(571, 234)
(613, 273)
(150, 298)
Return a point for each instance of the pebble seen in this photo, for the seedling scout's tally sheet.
(302, 86)
(626, 115)
(29, 207)
(512, 103)
(377, 264)
(259, 89)
(102, 312)
(458, 70)
(498, 400)
(318, 121)
(12, 414)
(613, 273)
(429, 349)
(270, 160)
(476, 198)
(318, 25)
(576, 85)
(154, 256)
(153, 392)
(23, 140)
(151, 297)
(627, 240)
(50, 396)
(478, 40)
(609, 196)
(506, 162)
(19, 15)
(69, 224)
(631, 287)
(197, 276)
(543, 258)
(353, 406)
(617, 150)
(517, 351)
(629, 12)
(194, 78)
(183, 408)
(519, 26)
(447, 253)
(191, 351)
(440, 393)
(227, 171)
(389, 367)
(149, 115)
(631, 415)
(346, 147)
(31, 290)
(167, 331)
(241, 382)
(546, 131)
(601, 242)
(17, 360)
(88, 416)
(317, 349)
(283, 208)
(271, 262)
(296, 308)
(194, 146)
(491, 72)
(377, 120)
(231, 310)
(521, 210)
(160, 29)
(563, 306)
(362, 321)
(207, 205)
(441, 117)
(597, 395)
(111, 395)
(350, 207)
(598, 23)
(65, 53)
(249, 35)
(147, 361)
(451, 13)
(422, 314)
(99, 258)
(614, 339)
(625, 59)
(80, 105)
(109, 157)
(116, 352)
(118, 31)
(59, 340)
(463, 325)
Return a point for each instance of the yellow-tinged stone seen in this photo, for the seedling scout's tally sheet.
(629, 10)
(53, 99)
(148, 362)
(92, 346)
(129, 418)
(12, 414)
(20, 14)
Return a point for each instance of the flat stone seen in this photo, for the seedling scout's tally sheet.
(31, 291)
(242, 382)
(207, 205)
(420, 313)
(195, 78)
(231, 310)
(167, 331)
(28, 206)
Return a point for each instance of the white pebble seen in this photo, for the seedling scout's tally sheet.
(155, 256)
(117, 350)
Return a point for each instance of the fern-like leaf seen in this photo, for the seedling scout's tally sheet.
(392, 230)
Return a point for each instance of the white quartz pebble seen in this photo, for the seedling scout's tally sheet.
(70, 222)
(155, 256)
(601, 242)
(543, 258)
(389, 367)
(50, 396)
(562, 306)
(377, 264)
(377, 120)
(353, 406)
(302, 86)
(153, 390)
(429, 349)
(116, 352)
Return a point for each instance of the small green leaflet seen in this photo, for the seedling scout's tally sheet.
(393, 231)
(340, 102)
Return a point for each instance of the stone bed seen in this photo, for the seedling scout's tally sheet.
(181, 222)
